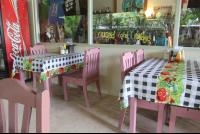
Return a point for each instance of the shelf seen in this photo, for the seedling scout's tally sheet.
(102, 13)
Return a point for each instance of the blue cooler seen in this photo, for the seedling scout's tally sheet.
(161, 41)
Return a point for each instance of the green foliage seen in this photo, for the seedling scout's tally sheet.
(184, 20)
(190, 18)
(70, 25)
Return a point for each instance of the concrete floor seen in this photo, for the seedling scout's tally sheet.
(101, 117)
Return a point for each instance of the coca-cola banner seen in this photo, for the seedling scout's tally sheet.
(16, 30)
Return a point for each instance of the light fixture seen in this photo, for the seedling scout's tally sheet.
(149, 12)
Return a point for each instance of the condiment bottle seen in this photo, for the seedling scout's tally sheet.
(179, 57)
(172, 56)
(183, 55)
(64, 46)
(67, 49)
(60, 48)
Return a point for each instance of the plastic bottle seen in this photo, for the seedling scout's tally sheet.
(60, 48)
(64, 46)
(179, 57)
(183, 55)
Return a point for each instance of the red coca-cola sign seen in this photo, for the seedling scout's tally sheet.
(13, 23)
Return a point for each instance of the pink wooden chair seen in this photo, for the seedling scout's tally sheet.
(139, 54)
(16, 92)
(40, 49)
(90, 74)
(127, 63)
(182, 112)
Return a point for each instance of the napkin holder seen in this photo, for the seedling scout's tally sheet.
(166, 54)
(71, 48)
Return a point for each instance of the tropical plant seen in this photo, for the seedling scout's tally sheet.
(191, 17)
(70, 25)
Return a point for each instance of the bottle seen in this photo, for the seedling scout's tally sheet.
(179, 57)
(183, 55)
(67, 49)
(64, 46)
(60, 48)
(172, 56)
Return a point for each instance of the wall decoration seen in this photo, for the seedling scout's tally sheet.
(162, 10)
(44, 9)
(69, 7)
(132, 5)
(83, 7)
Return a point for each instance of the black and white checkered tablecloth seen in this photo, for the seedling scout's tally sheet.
(142, 81)
(49, 63)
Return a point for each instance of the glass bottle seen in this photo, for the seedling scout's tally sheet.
(172, 56)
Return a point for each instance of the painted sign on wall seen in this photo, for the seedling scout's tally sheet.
(111, 35)
(141, 37)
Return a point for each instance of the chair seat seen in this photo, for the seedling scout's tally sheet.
(76, 75)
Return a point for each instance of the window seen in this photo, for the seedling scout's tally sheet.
(63, 21)
(189, 34)
(134, 22)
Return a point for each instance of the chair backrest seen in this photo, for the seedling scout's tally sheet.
(127, 63)
(91, 62)
(16, 92)
(39, 49)
(139, 56)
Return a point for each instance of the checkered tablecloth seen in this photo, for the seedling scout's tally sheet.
(50, 62)
(142, 81)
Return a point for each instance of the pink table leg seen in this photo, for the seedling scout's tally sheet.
(21, 74)
(133, 113)
(46, 85)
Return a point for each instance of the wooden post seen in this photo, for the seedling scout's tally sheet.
(115, 5)
(145, 5)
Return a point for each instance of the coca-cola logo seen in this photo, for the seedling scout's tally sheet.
(13, 32)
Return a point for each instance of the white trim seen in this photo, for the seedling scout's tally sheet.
(90, 22)
(177, 23)
(37, 22)
(190, 25)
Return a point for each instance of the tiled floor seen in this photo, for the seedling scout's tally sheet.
(101, 117)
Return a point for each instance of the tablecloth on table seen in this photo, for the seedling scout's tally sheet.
(142, 83)
(48, 64)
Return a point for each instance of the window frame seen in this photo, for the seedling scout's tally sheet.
(90, 31)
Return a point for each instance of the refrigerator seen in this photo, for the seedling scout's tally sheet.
(4, 72)
(15, 35)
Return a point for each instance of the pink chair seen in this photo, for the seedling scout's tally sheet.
(139, 54)
(40, 49)
(127, 63)
(90, 74)
(16, 92)
(182, 112)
